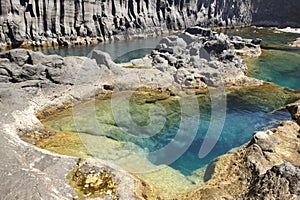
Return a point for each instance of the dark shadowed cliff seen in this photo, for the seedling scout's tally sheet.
(276, 13)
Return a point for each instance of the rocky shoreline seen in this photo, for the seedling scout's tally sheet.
(32, 82)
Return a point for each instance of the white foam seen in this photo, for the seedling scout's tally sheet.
(289, 30)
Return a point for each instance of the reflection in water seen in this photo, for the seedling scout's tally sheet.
(115, 49)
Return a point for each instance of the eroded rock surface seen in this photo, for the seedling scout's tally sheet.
(31, 82)
(294, 109)
(200, 57)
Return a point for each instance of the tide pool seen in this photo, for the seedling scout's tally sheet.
(280, 67)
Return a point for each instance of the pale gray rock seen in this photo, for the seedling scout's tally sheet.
(102, 58)
(199, 57)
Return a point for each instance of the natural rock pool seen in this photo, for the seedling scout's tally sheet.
(248, 110)
(104, 132)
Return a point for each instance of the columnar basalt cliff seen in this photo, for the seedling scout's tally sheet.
(47, 22)
(63, 22)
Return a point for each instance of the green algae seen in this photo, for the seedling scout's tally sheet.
(92, 182)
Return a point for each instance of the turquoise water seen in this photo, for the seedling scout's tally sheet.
(280, 67)
(247, 111)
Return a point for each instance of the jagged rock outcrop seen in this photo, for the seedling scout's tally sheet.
(200, 57)
(294, 109)
(284, 180)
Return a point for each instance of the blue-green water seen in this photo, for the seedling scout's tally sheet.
(248, 110)
(280, 67)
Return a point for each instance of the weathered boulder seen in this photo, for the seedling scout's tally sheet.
(102, 58)
(281, 181)
(294, 109)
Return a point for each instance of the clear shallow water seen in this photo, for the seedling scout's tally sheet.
(247, 111)
(116, 49)
(280, 67)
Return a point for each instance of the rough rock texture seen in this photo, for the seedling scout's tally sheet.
(284, 179)
(276, 13)
(64, 22)
(61, 22)
(294, 109)
(31, 82)
(200, 57)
